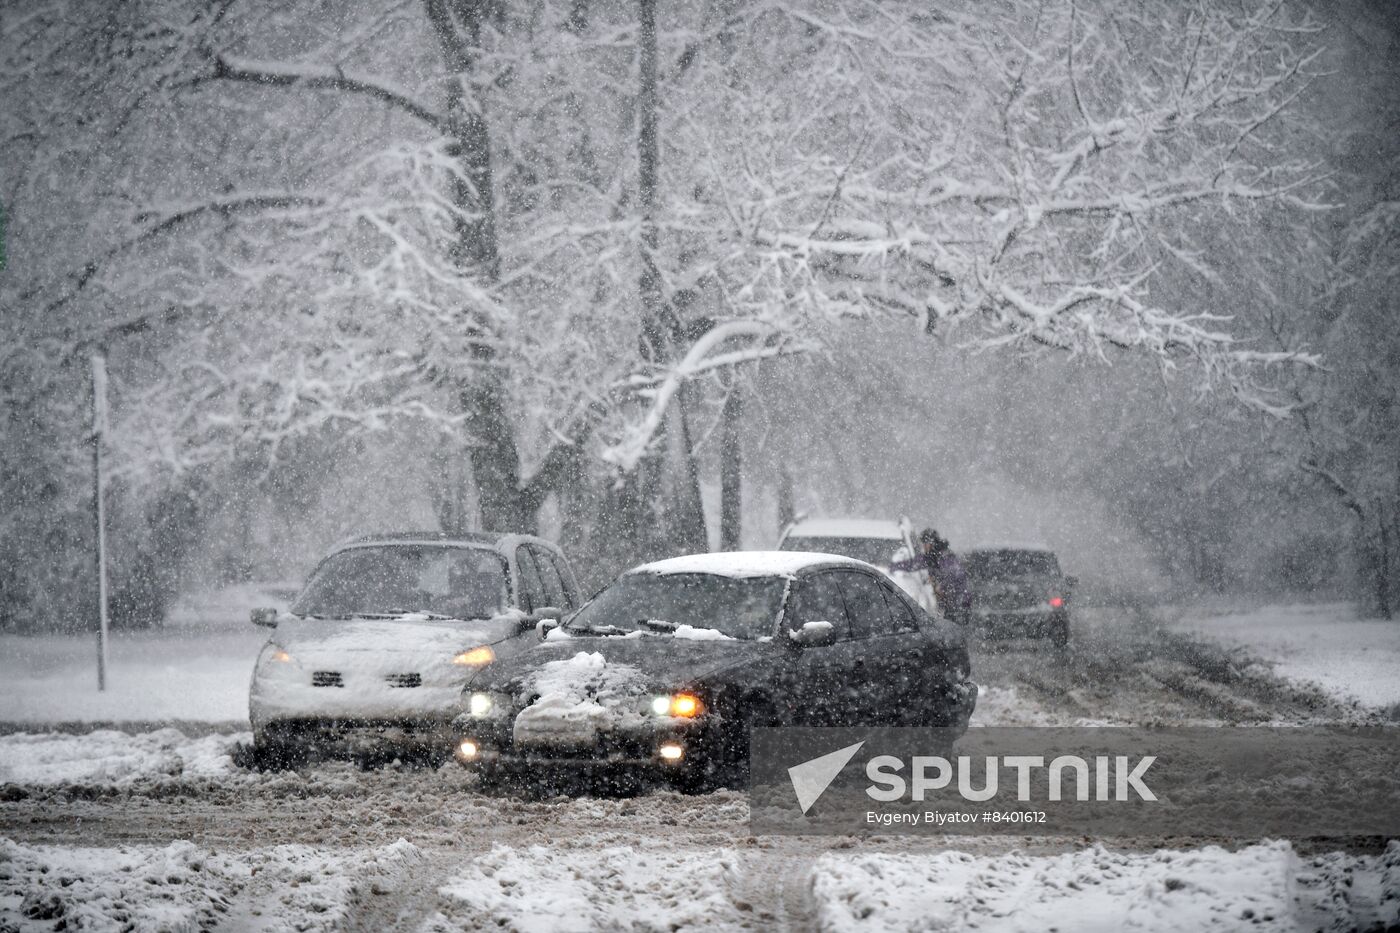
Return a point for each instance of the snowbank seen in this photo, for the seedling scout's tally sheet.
(1261, 887)
(177, 887)
(185, 887)
(1350, 658)
(109, 758)
(546, 888)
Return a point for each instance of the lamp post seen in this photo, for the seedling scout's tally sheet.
(99, 436)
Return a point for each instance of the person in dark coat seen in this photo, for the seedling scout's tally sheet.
(944, 571)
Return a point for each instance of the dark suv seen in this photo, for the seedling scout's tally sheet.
(1019, 592)
(668, 668)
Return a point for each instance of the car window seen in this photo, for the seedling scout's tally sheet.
(900, 611)
(865, 604)
(532, 587)
(391, 580)
(818, 599)
(549, 576)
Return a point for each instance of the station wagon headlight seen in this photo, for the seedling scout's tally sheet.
(476, 657)
(480, 705)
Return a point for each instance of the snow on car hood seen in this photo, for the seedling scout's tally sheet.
(408, 634)
(575, 695)
(374, 669)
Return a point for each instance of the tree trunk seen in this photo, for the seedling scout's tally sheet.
(730, 471)
(787, 509)
(495, 459)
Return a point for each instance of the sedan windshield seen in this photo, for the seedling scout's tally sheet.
(397, 579)
(877, 551)
(644, 602)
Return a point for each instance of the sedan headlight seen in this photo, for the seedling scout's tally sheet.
(677, 705)
(276, 654)
(476, 657)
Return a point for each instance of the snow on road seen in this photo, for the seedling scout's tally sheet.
(194, 669)
(589, 884)
(109, 758)
(1259, 887)
(1351, 658)
(540, 889)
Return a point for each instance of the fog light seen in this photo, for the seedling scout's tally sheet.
(467, 750)
(671, 751)
(480, 705)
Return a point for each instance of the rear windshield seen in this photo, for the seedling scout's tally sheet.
(391, 580)
(993, 565)
(661, 603)
(877, 551)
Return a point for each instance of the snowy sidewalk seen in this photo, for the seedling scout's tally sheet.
(1326, 644)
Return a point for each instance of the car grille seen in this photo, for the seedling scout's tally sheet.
(327, 679)
(404, 680)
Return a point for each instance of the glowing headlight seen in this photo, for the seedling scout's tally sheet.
(480, 705)
(477, 657)
(279, 655)
(681, 705)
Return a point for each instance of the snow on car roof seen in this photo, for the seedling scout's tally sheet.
(745, 563)
(846, 528)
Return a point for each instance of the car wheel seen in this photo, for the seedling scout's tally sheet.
(277, 755)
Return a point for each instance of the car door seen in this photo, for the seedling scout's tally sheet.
(816, 679)
(874, 690)
(910, 661)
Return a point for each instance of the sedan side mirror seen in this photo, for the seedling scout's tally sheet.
(267, 618)
(546, 612)
(542, 626)
(814, 634)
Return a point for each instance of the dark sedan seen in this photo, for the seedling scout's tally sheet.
(1019, 592)
(668, 668)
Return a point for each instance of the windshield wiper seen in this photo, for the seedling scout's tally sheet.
(604, 630)
(659, 625)
(399, 613)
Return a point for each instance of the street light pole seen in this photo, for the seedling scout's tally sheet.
(99, 437)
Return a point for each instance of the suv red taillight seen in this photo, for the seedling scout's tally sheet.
(1056, 602)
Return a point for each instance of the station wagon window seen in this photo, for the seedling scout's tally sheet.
(530, 583)
(551, 578)
(818, 599)
(865, 604)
